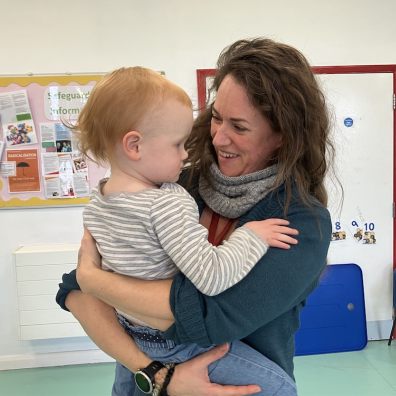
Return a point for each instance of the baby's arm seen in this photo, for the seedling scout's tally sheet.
(211, 269)
(274, 232)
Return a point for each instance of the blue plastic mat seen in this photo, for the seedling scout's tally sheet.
(334, 319)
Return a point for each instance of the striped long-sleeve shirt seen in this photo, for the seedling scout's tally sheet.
(154, 233)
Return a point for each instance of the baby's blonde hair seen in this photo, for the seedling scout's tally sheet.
(117, 104)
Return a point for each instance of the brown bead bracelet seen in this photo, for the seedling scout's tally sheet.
(167, 379)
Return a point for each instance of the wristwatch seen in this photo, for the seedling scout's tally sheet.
(144, 378)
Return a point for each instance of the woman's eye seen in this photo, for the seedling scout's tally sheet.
(239, 128)
(215, 118)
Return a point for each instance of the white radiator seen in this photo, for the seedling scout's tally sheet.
(39, 269)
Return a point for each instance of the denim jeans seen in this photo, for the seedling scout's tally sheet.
(242, 365)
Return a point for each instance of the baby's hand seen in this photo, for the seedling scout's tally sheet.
(274, 232)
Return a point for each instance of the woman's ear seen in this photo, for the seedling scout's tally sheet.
(131, 144)
(279, 141)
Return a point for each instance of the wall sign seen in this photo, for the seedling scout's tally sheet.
(32, 111)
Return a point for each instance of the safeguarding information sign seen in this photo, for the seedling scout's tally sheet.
(65, 102)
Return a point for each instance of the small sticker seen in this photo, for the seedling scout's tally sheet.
(348, 122)
(7, 168)
(338, 235)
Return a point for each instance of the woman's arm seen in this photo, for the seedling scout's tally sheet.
(100, 323)
(145, 300)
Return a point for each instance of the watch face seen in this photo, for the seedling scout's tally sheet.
(143, 382)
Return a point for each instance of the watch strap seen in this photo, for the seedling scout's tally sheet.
(153, 368)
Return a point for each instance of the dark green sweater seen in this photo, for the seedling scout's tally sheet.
(263, 309)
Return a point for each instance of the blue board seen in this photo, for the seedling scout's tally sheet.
(334, 318)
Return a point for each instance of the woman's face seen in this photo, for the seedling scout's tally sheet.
(242, 136)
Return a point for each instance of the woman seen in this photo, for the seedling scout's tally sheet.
(261, 150)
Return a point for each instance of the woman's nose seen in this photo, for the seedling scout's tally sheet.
(220, 136)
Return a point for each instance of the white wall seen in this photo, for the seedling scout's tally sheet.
(177, 36)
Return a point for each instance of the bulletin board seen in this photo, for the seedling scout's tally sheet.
(40, 165)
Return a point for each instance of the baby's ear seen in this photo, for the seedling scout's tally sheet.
(131, 144)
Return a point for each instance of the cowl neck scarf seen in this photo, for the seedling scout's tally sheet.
(232, 197)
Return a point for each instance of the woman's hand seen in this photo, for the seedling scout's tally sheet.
(191, 378)
(88, 260)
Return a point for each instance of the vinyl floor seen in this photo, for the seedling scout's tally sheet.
(369, 372)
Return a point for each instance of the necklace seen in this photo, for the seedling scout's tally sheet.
(214, 222)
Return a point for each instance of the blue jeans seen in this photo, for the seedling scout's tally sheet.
(242, 365)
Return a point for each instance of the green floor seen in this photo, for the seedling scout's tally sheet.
(370, 372)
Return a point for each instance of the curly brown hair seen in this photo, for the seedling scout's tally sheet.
(281, 85)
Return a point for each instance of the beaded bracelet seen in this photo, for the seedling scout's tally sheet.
(164, 391)
(158, 388)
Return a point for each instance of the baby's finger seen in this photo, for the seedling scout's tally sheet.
(279, 244)
(283, 238)
(286, 230)
(278, 221)
(287, 239)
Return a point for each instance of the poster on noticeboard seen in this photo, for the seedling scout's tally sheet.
(40, 164)
(27, 178)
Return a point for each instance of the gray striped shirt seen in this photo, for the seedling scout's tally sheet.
(154, 233)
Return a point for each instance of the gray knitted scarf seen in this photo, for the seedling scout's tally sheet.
(233, 196)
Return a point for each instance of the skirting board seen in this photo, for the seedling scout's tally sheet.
(376, 330)
(13, 362)
(379, 329)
